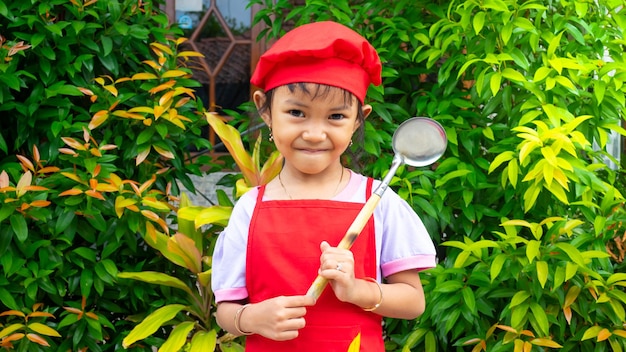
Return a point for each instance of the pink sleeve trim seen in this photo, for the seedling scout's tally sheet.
(418, 262)
(231, 294)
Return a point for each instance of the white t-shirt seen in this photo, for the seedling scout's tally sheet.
(402, 241)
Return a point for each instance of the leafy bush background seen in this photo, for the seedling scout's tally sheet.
(528, 219)
(522, 205)
(97, 122)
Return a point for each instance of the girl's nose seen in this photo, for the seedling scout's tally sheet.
(314, 132)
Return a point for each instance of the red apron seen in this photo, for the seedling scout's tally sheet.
(283, 258)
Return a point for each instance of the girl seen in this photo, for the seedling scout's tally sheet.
(281, 235)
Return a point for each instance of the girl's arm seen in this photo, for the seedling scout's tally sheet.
(402, 295)
(277, 318)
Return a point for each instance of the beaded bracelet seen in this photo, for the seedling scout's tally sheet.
(238, 318)
(380, 288)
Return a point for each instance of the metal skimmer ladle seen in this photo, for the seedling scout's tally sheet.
(419, 141)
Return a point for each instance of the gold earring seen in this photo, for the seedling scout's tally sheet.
(271, 137)
(350, 145)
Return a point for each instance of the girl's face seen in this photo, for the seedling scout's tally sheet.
(311, 127)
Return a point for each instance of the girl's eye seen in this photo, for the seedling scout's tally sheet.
(336, 116)
(296, 113)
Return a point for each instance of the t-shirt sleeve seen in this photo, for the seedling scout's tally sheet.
(406, 244)
(228, 272)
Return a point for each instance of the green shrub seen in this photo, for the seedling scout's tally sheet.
(522, 205)
(98, 116)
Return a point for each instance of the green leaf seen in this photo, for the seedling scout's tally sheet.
(532, 250)
(496, 266)
(203, 341)
(559, 277)
(451, 175)
(178, 337)
(8, 330)
(542, 272)
(591, 332)
(519, 298)
(614, 278)
(7, 299)
(570, 270)
(541, 317)
(19, 226)
(519, 315)
(43, 329)
(64, 220)
(449, 286)
(86, 282)
(107, 45)
(152, 323)
(157, 278)
(494, 83)
(513, 75)
(572, 252)
(231, 347)
(478, 22)
(469, 299)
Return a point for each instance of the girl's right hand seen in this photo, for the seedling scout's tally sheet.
(277, 318)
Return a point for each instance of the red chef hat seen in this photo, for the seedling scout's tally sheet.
(322, 52)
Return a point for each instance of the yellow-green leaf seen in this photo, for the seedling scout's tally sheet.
(557, 190)
(161, 47)
(232, 141)
(496, 266)
(499, 159)
(213, 215)
(186, 248)
(541, 318)
(542, 272)
(519, 297)
(532, 250)
(10, 329)
(615, 278)
(203, 341)
(152, 323)
(159, 241)
(513, 75)
(272, 167)
(541, 74)
(174, 73)
(565, 82)
(494, 83)
(516, 223)
(43, 329)
(513, 172)
(152, 203)
(572, 252)
(144, 76)
(550, 156)
(570, 270)
(157, 278)
(478, 22)
(545, 343)
(189, 54)
(178, 337)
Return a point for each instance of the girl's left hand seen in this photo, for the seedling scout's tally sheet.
(337, 266)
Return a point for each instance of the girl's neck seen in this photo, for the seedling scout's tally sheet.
(294, 185)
